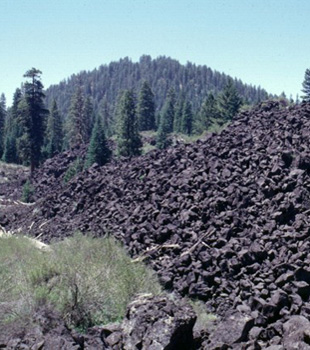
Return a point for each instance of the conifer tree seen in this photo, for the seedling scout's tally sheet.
(24, 142)
(78, 129)
(88, 118)
(33, 118)
(208, 113)
(107, 120)
(128, 139)
(146, 108)
(168, 111)
(98, 149)
(162, 140)
(2, 123)
(306, 86)
(229, 101)
(187, 119)
(54, 132)
(13, 131)
(177, 124)
(10, 150)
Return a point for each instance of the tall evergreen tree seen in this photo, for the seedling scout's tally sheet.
(208, 113)
(177, 123)
(2, 123)
(24, 142)
(88, 118)
(146, 108)
(54, 132)
(128, 139)
(107, 119)
(33, 117)
(78, 129)
(162, 140)
(13, 130)
(229, 101)
(187, 119)
(10, 150)
(98, 149)
(306, 86)
(168, 111)
(166, 122)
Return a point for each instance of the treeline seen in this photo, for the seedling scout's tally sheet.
(30, 133)
(162, 74)
(40, 124)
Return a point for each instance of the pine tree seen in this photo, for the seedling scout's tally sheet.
(208, 113)
(107, 120)
(187, 119)
(146, 108)
(24, 142)
(10, 150)
(2, 123)
(229, 101)
(13, 130)
(306, 86)
(162, 140)
(168, 111)
(33, 118)
(78, 129)
(98, 149)
(128, 139)
(54, 132)
(88, 118)
(177, 123)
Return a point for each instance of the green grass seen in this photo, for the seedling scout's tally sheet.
(89, 281)
(205, 320)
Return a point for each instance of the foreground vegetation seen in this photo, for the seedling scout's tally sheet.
(88, 281)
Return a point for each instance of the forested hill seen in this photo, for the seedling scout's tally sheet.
(162, 73)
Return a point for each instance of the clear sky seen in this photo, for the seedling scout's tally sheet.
(262, 42)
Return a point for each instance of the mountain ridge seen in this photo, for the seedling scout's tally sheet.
(163, 73)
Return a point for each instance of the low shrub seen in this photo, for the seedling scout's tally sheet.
(76, 167)
(89, 281)
(28, 192)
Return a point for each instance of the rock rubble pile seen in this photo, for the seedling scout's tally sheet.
(225, 220)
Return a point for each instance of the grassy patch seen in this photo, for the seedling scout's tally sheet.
(205, 320)
(89, 281)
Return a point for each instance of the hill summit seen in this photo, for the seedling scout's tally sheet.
(194, 82)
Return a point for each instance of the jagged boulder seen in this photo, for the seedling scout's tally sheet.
(296, 333)
(48, 332)
(155, 323)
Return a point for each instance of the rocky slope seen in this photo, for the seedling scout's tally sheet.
(225, 220)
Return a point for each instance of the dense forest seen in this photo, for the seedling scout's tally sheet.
(121, 99)
(163, 73)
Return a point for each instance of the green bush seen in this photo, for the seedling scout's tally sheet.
(28, 192)
(89, 281)
(76, 167)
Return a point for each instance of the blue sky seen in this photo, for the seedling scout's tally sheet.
(262, 42)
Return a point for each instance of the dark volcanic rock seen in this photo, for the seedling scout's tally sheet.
(225, 220)
(296, 333)
(49, 333)
(233, 329)
(157, 323)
